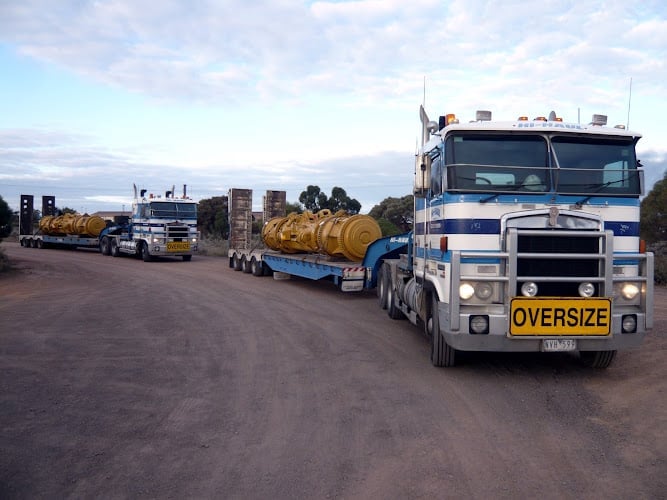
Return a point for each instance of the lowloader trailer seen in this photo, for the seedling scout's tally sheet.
(350, 260)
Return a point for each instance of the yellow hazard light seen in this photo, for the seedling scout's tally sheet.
(450, 118)
(540, 119)
(523, 118)
(558, 119)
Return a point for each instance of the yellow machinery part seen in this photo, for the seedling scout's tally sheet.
(336, 235)
(84, 225)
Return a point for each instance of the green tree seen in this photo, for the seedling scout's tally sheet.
(293, 207)
(315, 200)
(341, 201)
(213, 217)
(653, 219)
(5, 218)
(398, 211)
(66, 210)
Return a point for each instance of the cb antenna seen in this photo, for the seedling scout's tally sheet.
(627, 126)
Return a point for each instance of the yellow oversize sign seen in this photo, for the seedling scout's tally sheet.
(556, 316)
(178, 246)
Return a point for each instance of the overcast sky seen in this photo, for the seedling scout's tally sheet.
(280, 94)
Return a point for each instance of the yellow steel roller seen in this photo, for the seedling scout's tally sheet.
(336, 235)
(347, 236)
(89, 225)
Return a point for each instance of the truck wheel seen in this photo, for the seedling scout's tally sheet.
(597, 359)
(442, 354)
(383, 280)
(105, 248)
(236, 262)
(256, 267)
(245, 265)
(145, 254)
(187, 258)
(39, 244)
(392, 310)
(115, 252)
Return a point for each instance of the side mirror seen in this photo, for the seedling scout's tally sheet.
(422, 175)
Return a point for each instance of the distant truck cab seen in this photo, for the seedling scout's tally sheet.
(159, 226)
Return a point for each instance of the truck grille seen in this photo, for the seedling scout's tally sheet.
(558, 261)
(177, 233)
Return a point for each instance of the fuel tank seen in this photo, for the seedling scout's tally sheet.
(334, 234)
(82, 225)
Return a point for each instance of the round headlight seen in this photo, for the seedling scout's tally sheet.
(629, 291)
(586, 289)
(466, 291)
(529, 289)
(483, 290)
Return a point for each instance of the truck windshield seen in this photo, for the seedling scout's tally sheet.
(497, 163)
(173, 210)
(591, 166)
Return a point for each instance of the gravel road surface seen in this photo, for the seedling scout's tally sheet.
(171, 379)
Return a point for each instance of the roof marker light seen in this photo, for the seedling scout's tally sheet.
(540, 119)
(483, 116)
(599, 120)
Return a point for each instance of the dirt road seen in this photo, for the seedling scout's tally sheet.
(120, 378)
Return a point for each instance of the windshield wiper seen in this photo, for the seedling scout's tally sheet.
(600, 187)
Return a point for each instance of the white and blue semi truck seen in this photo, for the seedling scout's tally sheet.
(525, 238)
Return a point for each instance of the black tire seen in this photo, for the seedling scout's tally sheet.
(115, 251)
(256, 267)
(236, 262)
(245, 265)
(144, 253)
(105, 247)
(383, 281)
(187, 258)
(39, 244)
(442, 354)
(597, 359)
(393, 311)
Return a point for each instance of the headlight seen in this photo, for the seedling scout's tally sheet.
(483, 290)
(586, 289)
(629, 291)
(466, 291)
(529, 289)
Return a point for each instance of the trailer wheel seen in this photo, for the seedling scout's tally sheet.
(187, 258)
(105, 248)
(442, 354)
(392, 310)
(236, 262)
(115, 251)
(256, 267)
(245, 265)
(383, 280)
(39, 244)
(597, 359)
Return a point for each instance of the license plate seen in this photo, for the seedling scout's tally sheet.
(559, 345)
(555, 316)
(178, 246)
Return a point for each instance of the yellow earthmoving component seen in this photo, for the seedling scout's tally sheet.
(83, 225)
(347, 236)
(336, 235)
